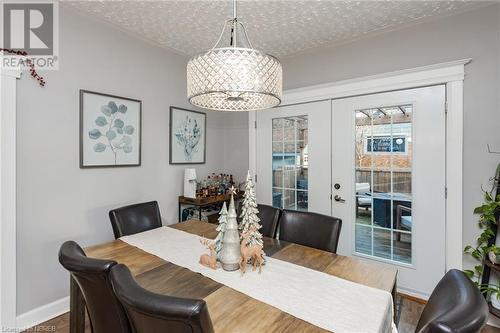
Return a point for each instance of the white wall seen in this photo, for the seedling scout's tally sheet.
(474, 34)
(58, 201)
(236, 144)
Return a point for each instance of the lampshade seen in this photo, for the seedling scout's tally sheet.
(234, 78)
(189, 174)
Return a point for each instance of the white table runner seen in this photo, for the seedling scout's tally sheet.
(321, 299)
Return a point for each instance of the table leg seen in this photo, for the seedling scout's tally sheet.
(77, 308)
(199, 213)
(394, 301)
(180, 212)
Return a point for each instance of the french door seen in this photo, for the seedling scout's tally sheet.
(289, 138)
(375, 161)
(388, 175)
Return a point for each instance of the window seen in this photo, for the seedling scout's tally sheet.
(383, 183)
(290, 163)
(383, 144)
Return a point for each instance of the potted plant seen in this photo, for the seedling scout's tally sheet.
(493, 291)
(483, 250)
(494, 255)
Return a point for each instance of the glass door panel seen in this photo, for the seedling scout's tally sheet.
(290, 162)
(383, 169)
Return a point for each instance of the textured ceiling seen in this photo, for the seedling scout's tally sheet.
(281, 28)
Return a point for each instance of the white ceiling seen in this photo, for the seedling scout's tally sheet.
(281, 28)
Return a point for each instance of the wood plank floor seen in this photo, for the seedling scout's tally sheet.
(410, 313)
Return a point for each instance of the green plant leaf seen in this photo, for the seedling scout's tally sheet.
(129, 129)
(110, 135)
(101, 121)
(119, 130)
(122, 108)
(99, 147)
(495, 249)
(112, 106)
(467, 249)
(487, 196)
(477, 254)
(127, 149)
(119, 123)
(479, 210)
(95, 134)
(469, 273)
(106, 110)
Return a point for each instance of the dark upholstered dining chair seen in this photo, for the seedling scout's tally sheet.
(455, 305)
(153, 313)
(129, 220)
(269, 217)
(310, 229)
(92, 277)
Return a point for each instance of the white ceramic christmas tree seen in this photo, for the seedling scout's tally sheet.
(249, 218)
(221, 228)
(230, 253)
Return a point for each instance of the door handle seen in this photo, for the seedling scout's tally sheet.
(338, 198)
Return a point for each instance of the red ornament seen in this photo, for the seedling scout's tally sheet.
(32, 70)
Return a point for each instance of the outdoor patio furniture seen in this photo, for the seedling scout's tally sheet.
(364, 202)
(402, 221)
(382, 207)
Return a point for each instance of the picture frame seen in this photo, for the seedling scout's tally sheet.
(187, 136)
(110, 130)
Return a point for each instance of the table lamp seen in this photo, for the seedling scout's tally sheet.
(190, 183)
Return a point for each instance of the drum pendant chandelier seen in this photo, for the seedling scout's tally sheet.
(234, 78)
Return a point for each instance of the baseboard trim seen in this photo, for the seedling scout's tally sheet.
(43, 313)
(412, 298)
(413, 295)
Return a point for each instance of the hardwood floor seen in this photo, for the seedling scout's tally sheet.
(410, 313)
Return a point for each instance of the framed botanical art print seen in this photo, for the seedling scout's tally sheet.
(187, 136)
(110, 130)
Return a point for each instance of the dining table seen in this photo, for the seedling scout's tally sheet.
(162, 277)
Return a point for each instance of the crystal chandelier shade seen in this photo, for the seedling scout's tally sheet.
(234, 78)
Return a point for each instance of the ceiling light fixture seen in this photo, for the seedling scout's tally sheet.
(234, 78)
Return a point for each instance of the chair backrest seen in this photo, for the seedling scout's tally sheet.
(269, 217)
(310, 229)
(129, 220)
(92, 276)
(455, 305)
(152, 313)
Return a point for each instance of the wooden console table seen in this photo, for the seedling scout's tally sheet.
(204, 202)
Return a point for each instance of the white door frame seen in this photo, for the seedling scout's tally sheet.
(8, 302)
(451, 74)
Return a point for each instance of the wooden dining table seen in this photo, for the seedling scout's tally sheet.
(230, 310)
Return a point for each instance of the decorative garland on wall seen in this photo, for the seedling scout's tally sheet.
(32, 69)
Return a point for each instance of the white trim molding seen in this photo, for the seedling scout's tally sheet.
(452, 74)
(8, 97)
(42, 313)
(454, 174)
(398, 80)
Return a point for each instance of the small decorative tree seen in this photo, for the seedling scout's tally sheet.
(249, 218)
(221, 228)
